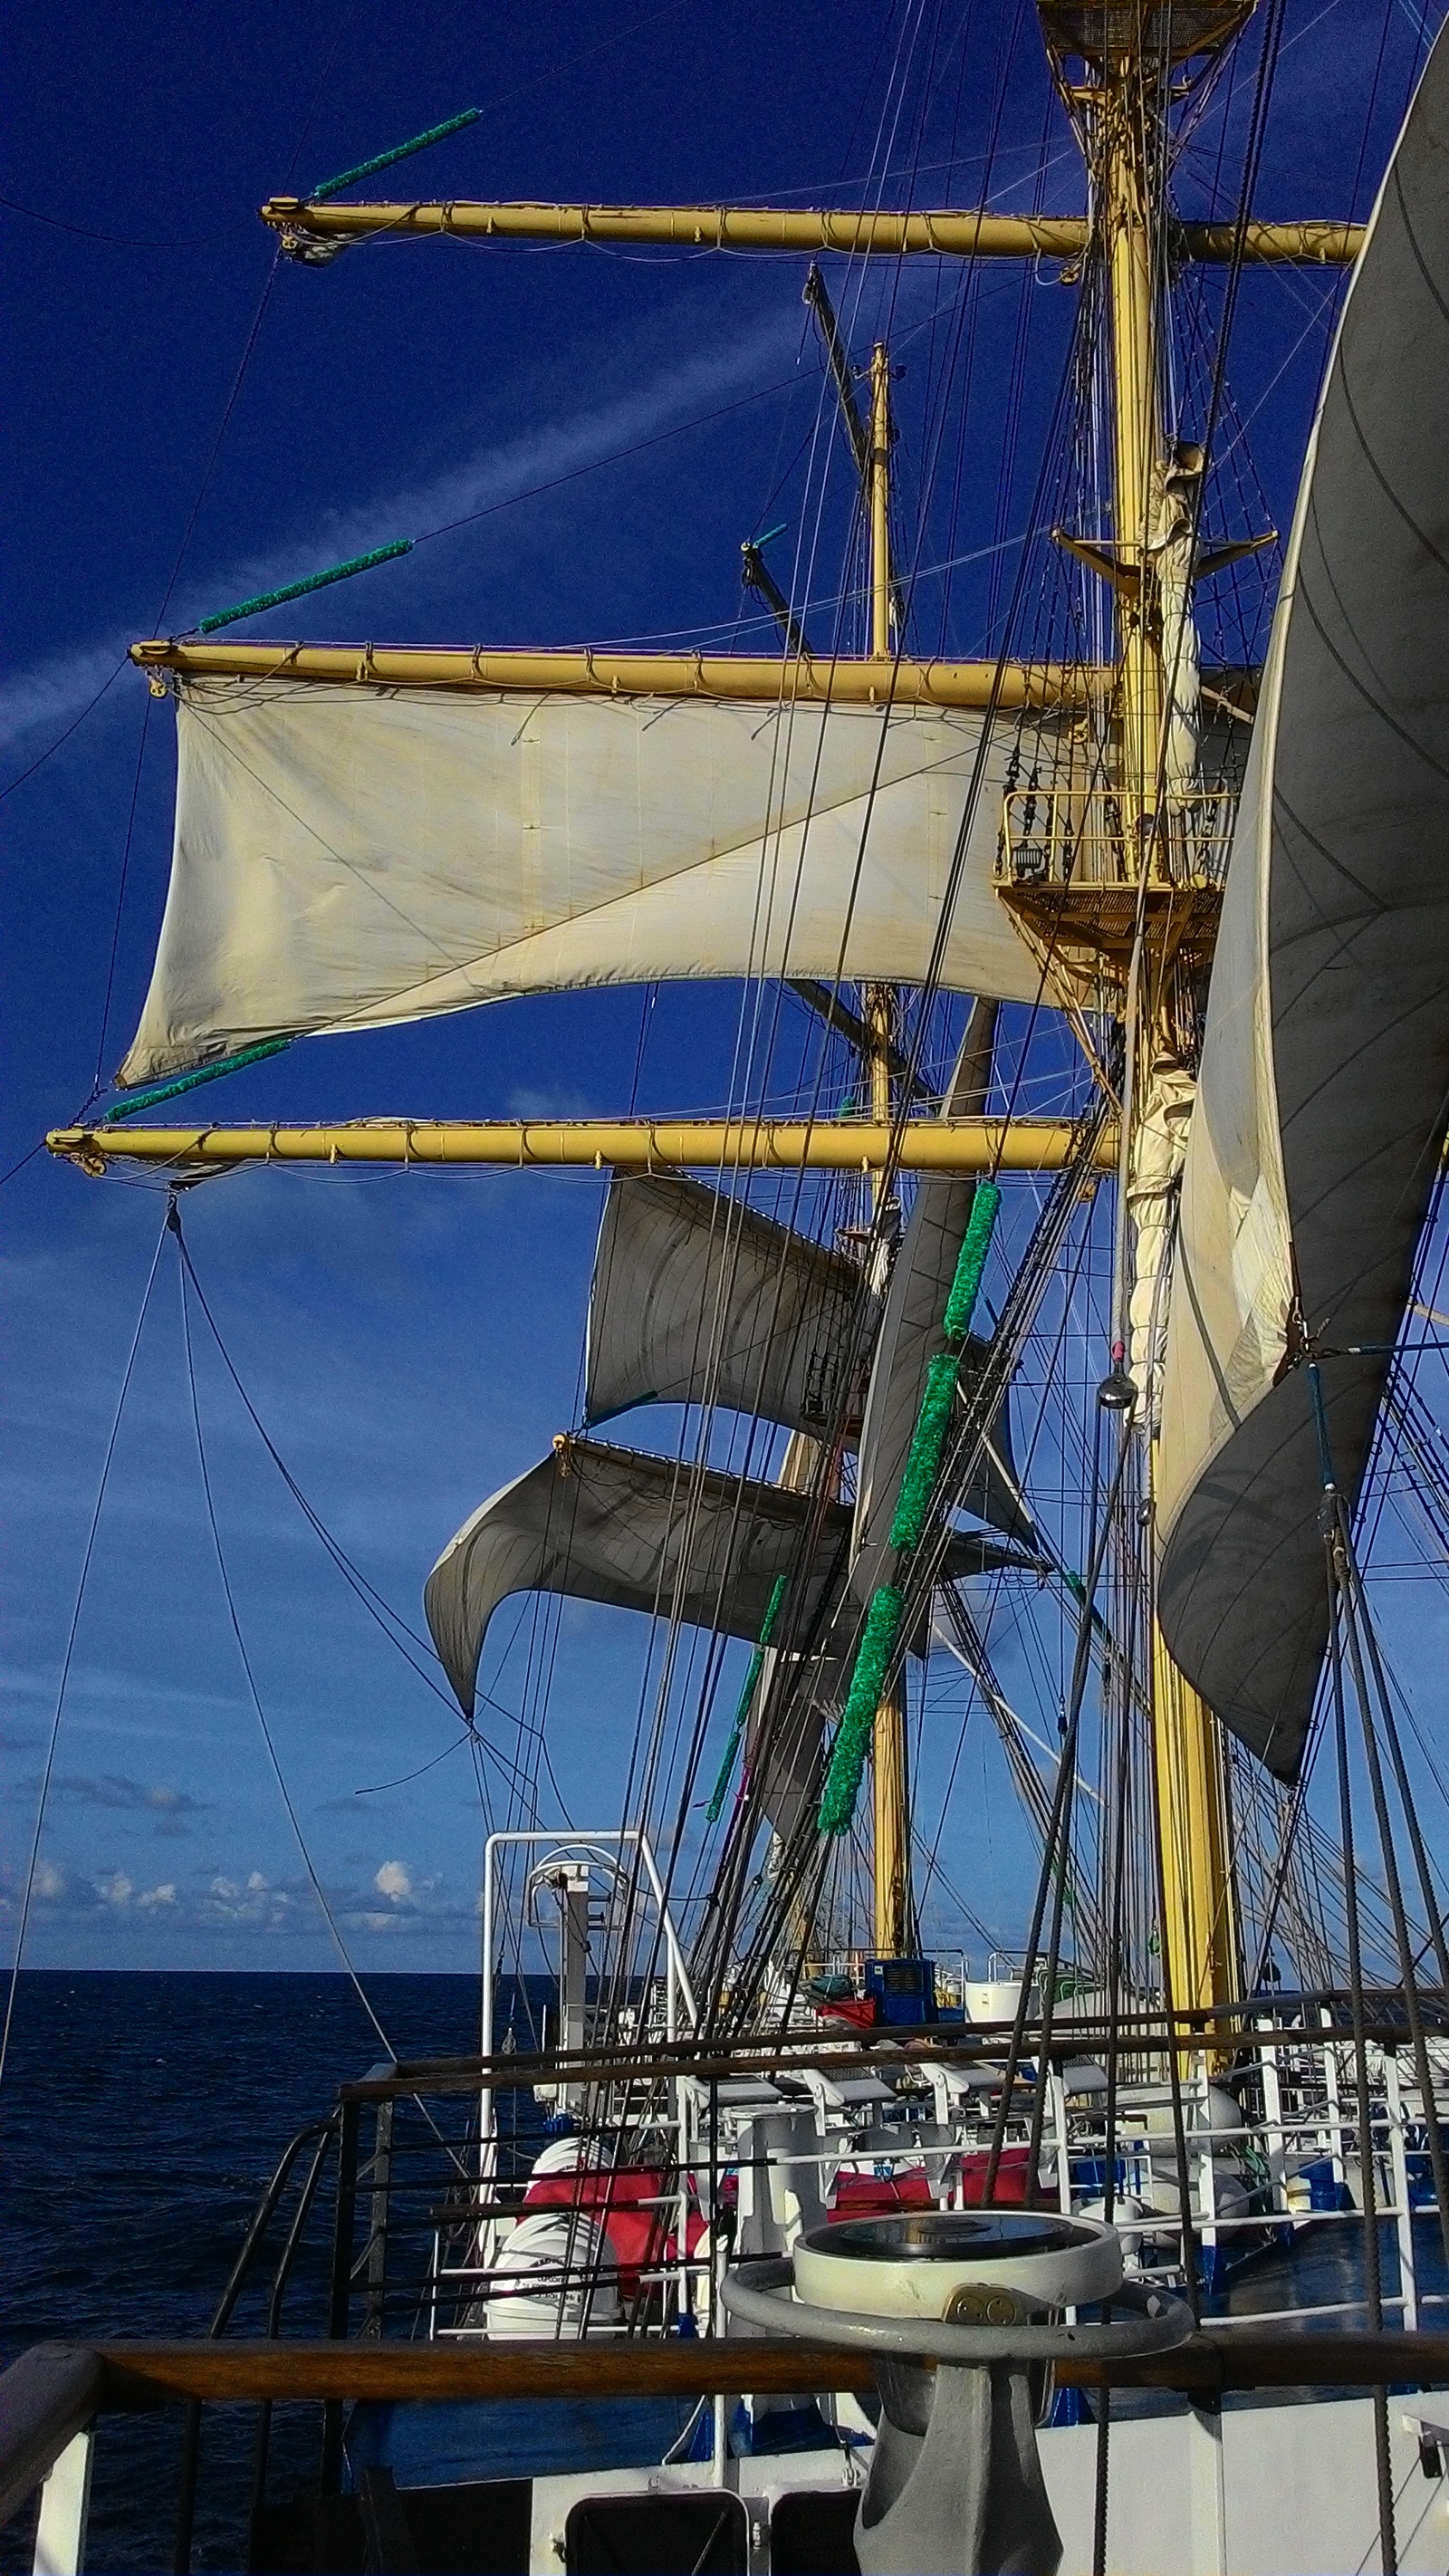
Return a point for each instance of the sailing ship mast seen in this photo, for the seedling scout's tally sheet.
(1118, 924)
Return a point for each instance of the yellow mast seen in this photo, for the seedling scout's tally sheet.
(890, 1802)
(1136, 436)
(1199, 1932)
(880, 532)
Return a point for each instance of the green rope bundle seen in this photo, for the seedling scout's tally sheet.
(188, 1081)
(872, 1663)
(927, 1442)
(971, 1262)
(918, 1483)
(326, 188)
(299, 589)
(742, 1710)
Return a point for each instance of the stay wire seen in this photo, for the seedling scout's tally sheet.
(373, 1602)
(1060, 1811)
(1373, 2285)
(75, 1620)
(73, 727)
(173, 1226)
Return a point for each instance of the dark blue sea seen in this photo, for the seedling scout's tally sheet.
(140, 2118)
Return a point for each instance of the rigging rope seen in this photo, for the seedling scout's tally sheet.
(75, 1618)
(173, 1225)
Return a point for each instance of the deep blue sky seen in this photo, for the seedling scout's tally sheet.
(410, 1342)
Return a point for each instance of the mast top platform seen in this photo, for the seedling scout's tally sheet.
(1116, 31)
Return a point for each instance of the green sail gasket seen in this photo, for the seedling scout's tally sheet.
(971, 1261)
(742, 1710)
(927, 1443)
(326, 188)
(872, 1663)
(188, 1081)
(299, 589)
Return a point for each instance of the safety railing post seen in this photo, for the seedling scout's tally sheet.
(1403, 2207)
(1273, 2123)
(340, 2300)
(381, 2177)
(65, 2504)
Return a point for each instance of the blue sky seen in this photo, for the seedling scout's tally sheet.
(411, 1342)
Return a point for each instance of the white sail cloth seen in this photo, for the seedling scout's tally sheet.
(1322, 1098)
(646, 1533)
(784, 1741)
(636, 1531)
(699, 1299)
(344, 858)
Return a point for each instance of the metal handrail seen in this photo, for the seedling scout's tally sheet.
(251, 2246)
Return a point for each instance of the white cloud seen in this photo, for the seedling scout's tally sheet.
(158, 1895)
(256, 1883)
(48, 1881)
(224, 1888)
(393, 1881)
(114, 1890)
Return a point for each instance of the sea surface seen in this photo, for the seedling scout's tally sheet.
(140, 2119)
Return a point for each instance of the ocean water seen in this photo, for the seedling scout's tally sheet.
(140, 2119)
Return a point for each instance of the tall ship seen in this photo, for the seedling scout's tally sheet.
(1043, 1335)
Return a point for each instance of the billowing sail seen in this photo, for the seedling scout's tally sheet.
(910, 1337)
(1325, 1075)
(624, 1527)
(642, 1533)
(344, 858)
(698, 1299)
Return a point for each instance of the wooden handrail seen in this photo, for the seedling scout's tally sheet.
(234, 2372)
(152, 2373)
(55, 2389)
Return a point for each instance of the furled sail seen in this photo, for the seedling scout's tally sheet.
(1322, 1098)
(344, 858)
(642, 1533)
(910, 1337)
(698, 1299)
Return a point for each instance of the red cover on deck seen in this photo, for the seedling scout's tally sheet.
(880, 2196)
(626, 2199)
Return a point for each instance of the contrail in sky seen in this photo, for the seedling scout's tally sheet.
(51, 693)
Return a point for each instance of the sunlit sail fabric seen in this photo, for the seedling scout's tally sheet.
(642, 1533)
(1325, 1074)
(344, 858)
(698, 1299)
